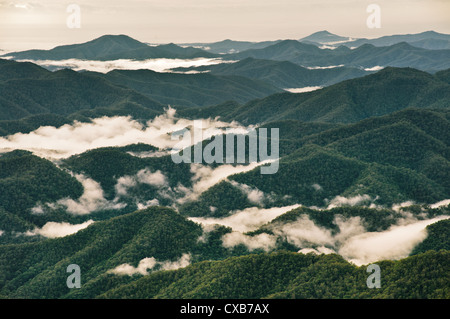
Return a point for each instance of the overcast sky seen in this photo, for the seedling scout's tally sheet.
(42, 24)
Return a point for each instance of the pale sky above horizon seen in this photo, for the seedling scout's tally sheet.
(41, 24)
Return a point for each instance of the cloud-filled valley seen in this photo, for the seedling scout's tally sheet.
(78, 137)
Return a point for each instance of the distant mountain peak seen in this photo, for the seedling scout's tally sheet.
(323, 32)
(122, 39)
(323, 37)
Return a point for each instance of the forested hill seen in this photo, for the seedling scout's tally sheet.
(282, 74)
(387, 91)
(367, 55)
(27, 90)
(390, 159)
(136, 256)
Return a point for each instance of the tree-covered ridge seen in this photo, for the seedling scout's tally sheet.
(56, 98)
(385, 92)
(391, 159)
(387, 160)
(65, 92)
(25, 180)
(112, 47)
(282, 74)
(106, 165)
(27, 90)
(291, 275)
(438, 237)
(191, 90)
(367, 55)
(38, 270)
(349, 153)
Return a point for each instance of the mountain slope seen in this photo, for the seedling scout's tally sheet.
(366, 56)
(38, 270)
(383, 160)
(291, 275)
(65, 92)
(26, 180)
(155, 232)
(230, 46)
(190, 89)
(282, 74)
(28, 90)
(428, 40)
(324, 37)
(384, 92)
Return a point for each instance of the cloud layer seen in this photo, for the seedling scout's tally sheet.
(157, 65)
(150, 263)
(352, 240)
(70, 139)
(56, 230)
(248, 219)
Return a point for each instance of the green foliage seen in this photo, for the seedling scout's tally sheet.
(219, 201)
(395, 158)
(106, 165)
(65, 92)
(438, 237)
(367, 55)
(142, 94)
(350, 101)
(392, 153)
(38, 270)
(291, 275)
(190, 90)
(26, 180)
(282, 74)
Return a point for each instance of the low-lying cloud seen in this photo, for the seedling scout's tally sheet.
(78, 137)
(254, 195)
(144, 176)
(324, 67)
(157, 65)
(395, 243)
(90, 201)
(261, 241)
(441, 203)
(148, 264)
(303, 89)
(56, 230)
(205, 177)
(339, 201)
(248, 219)
(351, 240)
(244, 221)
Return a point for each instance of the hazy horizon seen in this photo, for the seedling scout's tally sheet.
(41, 24)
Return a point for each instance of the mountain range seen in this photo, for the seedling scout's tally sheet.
(386, 91)
(66, 92)
(282, 74)
(366, 56)
(87, 176)
(398, 51)
(427, 40)
(111, 47)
